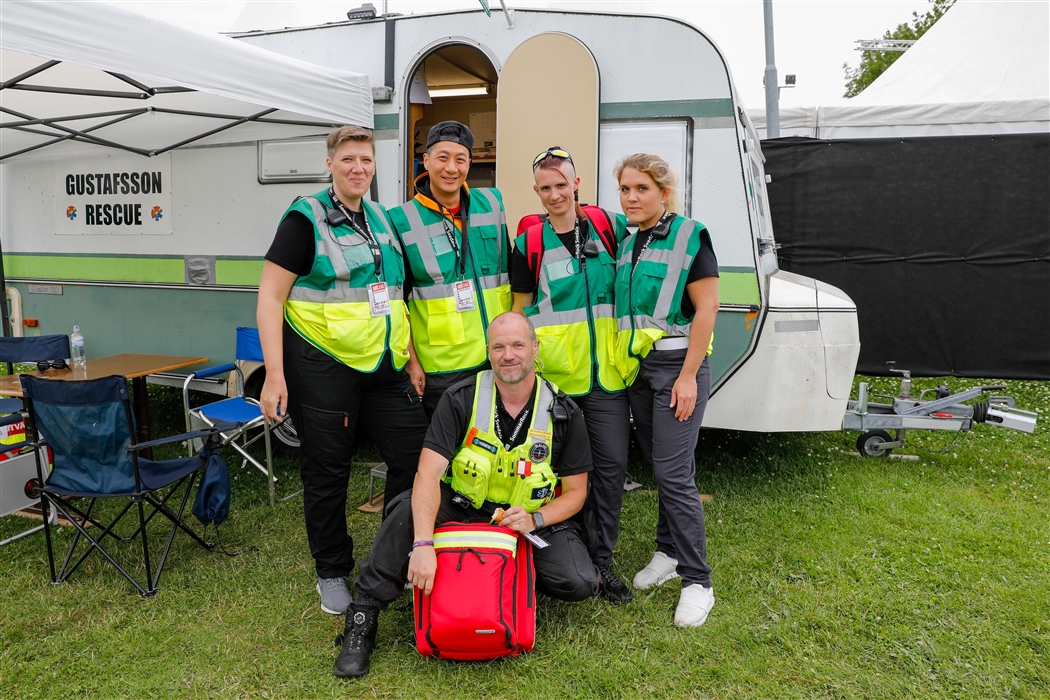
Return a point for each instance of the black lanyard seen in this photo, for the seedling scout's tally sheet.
(649, 240)
(577, 238)
(373, 243)
(517, 429)
(450, 234)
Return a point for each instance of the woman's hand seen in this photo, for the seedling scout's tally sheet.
(274, 398)
(683, 396)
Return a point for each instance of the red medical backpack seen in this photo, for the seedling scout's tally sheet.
(483, 605)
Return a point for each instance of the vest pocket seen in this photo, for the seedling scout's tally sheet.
(648, 281)
(533, 491)
(348, 327)
(470, 475)
(444, 323)
(555, 349)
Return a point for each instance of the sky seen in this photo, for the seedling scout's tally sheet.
(813, 37)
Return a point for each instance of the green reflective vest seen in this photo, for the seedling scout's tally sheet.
(574, 314)
(483, 470)
(649, 293)
(447, 340)
(330, 307)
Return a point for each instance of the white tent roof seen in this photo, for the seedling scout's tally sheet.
(983, 68)
(152, 85)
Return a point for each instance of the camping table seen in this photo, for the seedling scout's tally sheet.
(134, 366)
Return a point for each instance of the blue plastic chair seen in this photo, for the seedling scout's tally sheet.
(89, 426)
(241, 412)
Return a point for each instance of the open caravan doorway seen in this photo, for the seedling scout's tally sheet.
(453, 82)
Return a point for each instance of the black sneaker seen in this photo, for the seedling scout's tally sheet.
(611, 587)
(359, 638)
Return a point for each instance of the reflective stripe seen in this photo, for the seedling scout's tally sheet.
(480, 539)
(485, 396)
(443, 291)
(675, 259)
(328, 296)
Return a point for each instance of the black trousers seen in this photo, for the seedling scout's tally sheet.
(563, 570)
(438, 384)
(608, 419)
(325, 401)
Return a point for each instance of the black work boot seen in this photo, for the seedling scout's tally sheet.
(611, 587)
(359, 638)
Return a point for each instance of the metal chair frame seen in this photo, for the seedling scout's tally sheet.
(142, 495)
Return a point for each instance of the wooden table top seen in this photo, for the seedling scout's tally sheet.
(130, 365)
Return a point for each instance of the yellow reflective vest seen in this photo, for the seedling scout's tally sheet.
(330, 307)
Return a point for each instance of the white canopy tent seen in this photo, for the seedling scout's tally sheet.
(984, 68)
(78, 77)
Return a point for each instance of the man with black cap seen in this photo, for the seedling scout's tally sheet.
(457, 251)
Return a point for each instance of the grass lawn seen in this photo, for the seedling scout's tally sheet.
(835, 576)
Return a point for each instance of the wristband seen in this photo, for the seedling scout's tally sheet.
(422, 543)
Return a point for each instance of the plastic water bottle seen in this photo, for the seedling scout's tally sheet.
(77, 339)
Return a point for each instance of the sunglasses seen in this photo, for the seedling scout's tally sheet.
(44, 365)
(555, 151)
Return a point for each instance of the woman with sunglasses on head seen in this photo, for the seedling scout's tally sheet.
(334, 331)
(666, 303)
(562, 274)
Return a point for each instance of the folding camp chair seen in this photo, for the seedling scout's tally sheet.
(16, 470)
(243, 412)
(89, 426)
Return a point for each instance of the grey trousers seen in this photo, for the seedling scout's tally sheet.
(563, 570)
(668, 445)
(608, 422)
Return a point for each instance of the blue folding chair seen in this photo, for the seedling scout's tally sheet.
(16, 470)
(89, 426)
(241, 412)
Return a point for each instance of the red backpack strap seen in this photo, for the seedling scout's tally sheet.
(534, 248)
(528, 221)
(600, 221)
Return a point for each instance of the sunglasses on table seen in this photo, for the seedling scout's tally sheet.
(555, 151)
(44, 365)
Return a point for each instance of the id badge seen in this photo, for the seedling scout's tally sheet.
(464, 292)
(379, 299)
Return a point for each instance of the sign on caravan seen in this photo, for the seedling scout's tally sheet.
(113, 194)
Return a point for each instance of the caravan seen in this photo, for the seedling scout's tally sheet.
(786, 346)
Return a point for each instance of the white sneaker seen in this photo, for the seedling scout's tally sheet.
(694, 605)
(658, 571)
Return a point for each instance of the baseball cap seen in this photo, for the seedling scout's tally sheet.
(450, 131)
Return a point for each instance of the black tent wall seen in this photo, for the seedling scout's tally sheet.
(942, 242)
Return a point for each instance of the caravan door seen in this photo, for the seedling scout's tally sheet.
(549, 94)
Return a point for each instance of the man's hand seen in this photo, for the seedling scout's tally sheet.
(518, 520)
(422, 567)
(416, 374)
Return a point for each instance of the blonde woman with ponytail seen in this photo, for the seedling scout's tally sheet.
(666, 303)
(562, 273)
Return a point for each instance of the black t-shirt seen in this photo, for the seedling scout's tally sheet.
(705, 264)
(293, 246)
(570, 451)
(522, 278)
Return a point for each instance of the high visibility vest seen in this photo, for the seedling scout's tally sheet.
(447, 340)
(574, 314)
(649, 293)
(482, 469)
(330, 307)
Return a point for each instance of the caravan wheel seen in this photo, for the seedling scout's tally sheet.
(869, 444)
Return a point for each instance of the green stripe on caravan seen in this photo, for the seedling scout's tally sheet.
(166, 269)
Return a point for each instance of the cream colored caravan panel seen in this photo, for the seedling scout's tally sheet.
(529, 119)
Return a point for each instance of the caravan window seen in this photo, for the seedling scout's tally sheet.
(671, 139)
